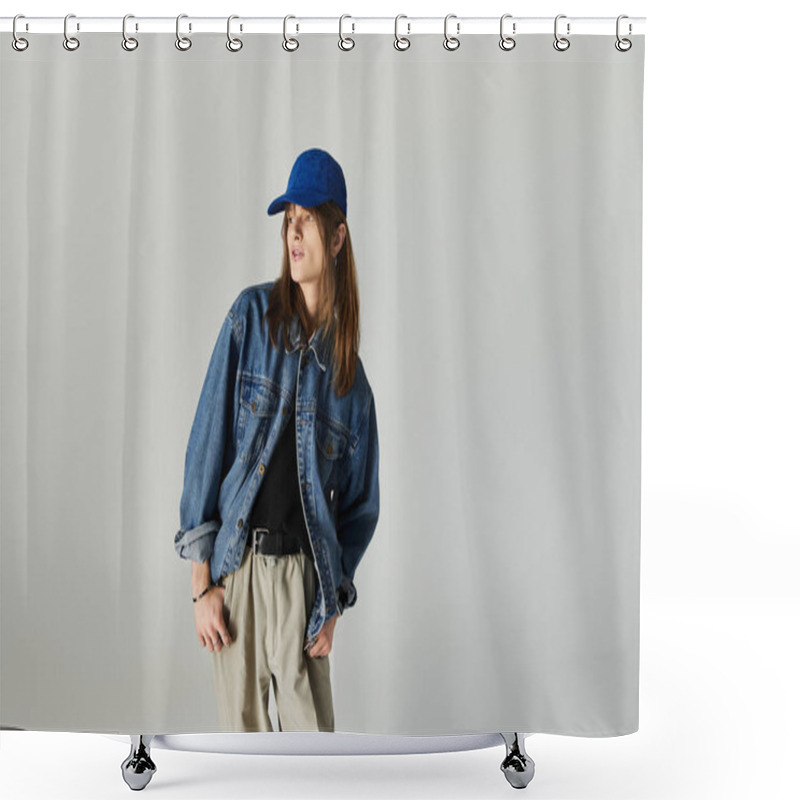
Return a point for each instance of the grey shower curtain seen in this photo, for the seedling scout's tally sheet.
(495, 210)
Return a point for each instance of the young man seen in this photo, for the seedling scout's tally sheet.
(281, 494)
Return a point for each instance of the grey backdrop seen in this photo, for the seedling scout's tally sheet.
(495, 211)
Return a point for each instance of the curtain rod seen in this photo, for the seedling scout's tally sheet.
(457, 26)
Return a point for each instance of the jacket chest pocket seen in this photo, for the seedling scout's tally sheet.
(258, 404)
(331, 448)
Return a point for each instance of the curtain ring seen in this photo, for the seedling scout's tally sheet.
(451, 42)
(181, 42)
(128, 42)
(623, 45)
(507, 42)
(345, 42)
(70, 42)
(561, 40)
(289, 44)
(400, 42)
(17, 42)
(233, 44)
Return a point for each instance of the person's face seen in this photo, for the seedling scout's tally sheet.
(304, 242)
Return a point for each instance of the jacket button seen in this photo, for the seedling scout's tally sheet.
(284, 411)
(253, 405)
(239, 523)
(261, 469)
(330, 448)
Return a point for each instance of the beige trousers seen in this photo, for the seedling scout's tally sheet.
(267, 605)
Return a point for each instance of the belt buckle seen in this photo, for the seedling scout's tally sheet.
(253, 542)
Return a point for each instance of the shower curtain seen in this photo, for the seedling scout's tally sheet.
(494, 203)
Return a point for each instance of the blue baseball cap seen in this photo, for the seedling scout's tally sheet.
(316, 177)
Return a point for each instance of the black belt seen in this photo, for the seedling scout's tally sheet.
(269, 542)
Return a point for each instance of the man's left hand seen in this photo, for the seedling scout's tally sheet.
(322, 646)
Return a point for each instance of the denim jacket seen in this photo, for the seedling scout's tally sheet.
(252, 390)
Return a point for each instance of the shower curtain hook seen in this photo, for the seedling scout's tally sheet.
(507, 42)
(289, 44)
(70, 42)
(451, 42)
(561, 40)
(627, 42)
(17, 42)
(182, 42)
(233, 44)
(128, 42)
(400, 42)
(350, 43)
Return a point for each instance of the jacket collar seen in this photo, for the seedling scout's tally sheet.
(320, 345)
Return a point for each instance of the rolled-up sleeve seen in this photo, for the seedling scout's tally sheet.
(208, 453)
(359, 506)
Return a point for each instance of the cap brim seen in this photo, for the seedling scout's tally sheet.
(277, 205)
(307, 201)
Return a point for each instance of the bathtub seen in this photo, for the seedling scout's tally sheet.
(138, 767)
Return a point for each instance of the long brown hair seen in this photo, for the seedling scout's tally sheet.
(338, 308)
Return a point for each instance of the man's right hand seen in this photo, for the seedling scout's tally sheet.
(211, 629)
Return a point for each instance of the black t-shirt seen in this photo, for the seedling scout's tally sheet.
(278, 505)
